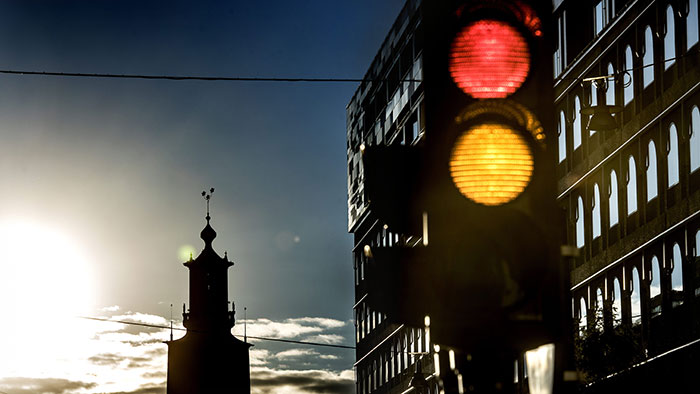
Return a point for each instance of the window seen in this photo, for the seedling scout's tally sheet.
(617, 303)
(669, 40)
(596, 211)
(561, 130)
(673, 170)
(599, 308)
(594, 102)
(697, 243)
(694, 139)
(612, 199)
(652, 188)
(655, 287)
(629, 69)
(580, 235)
(691, 24)
(582, 314)
(631, 187)
(635, 299)
(560, 49)
(599, 16)
(577, 122)
(677, 275)
(648, 59)
(610, 94)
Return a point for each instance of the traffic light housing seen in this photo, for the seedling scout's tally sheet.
(481, 190)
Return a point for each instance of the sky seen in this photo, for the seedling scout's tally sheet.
(101, 183)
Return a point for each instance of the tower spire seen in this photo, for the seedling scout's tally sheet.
(207, 197)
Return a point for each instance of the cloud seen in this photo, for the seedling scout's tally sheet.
(267, 381)
(107, 359)
(332, 339)
(22, 385)
(321, 321)
(290, 328)
(118, 358)
(295, 353)
(144, 390)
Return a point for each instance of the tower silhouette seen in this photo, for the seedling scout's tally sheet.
(208, 359)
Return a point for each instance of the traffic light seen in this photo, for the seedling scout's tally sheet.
(481, 190)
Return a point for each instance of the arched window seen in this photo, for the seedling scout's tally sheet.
(617, 303)
(669, 40)
(595, 223)
(631, 186)
(577, 122)
(673, 163)
(694, 139)
(697, 243)
(610, 94)
(612, 199)
(629, 88)
(599, 308)
(652, 180)
(635, 299)
(580, 235)
(655, 287)
(594, 102)
(691, 24)
(561, 130)
(582, 315)
(648, 59)
(677, 272)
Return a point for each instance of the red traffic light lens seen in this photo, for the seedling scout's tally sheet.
(489, 59)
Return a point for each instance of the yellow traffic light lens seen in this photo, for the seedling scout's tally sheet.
(491, 164)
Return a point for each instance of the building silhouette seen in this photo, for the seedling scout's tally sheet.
(385, 111)
(208, 359)
(630, 194)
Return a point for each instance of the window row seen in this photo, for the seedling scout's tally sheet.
(648, 284)
(605, 199)
(366, 320)
(685, 22)
(393, 358)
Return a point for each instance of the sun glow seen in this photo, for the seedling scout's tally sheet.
(45, 281)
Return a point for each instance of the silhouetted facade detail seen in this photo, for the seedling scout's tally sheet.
(632, 193)
(208, 359)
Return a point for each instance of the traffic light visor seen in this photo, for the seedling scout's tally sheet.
(491, 164)
(489, 59)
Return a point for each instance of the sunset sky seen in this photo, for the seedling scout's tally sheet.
(101, 179)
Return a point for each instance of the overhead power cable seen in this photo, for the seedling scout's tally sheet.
(184, 329)
(189, 77)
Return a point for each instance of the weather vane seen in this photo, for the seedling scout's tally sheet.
(207, 196)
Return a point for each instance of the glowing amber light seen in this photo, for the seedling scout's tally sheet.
(491, 164)
(489, 59)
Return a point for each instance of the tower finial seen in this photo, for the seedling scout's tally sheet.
(207, 197)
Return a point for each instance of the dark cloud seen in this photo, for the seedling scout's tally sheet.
(145, 390)
(156, 374)
(267, 381)
(21, 385)
(106, 359)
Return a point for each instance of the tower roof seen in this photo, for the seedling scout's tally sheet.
(208, 255)
(208, 234)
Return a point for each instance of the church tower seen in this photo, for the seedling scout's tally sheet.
(208, 359)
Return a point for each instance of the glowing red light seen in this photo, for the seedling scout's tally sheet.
(489, 59)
